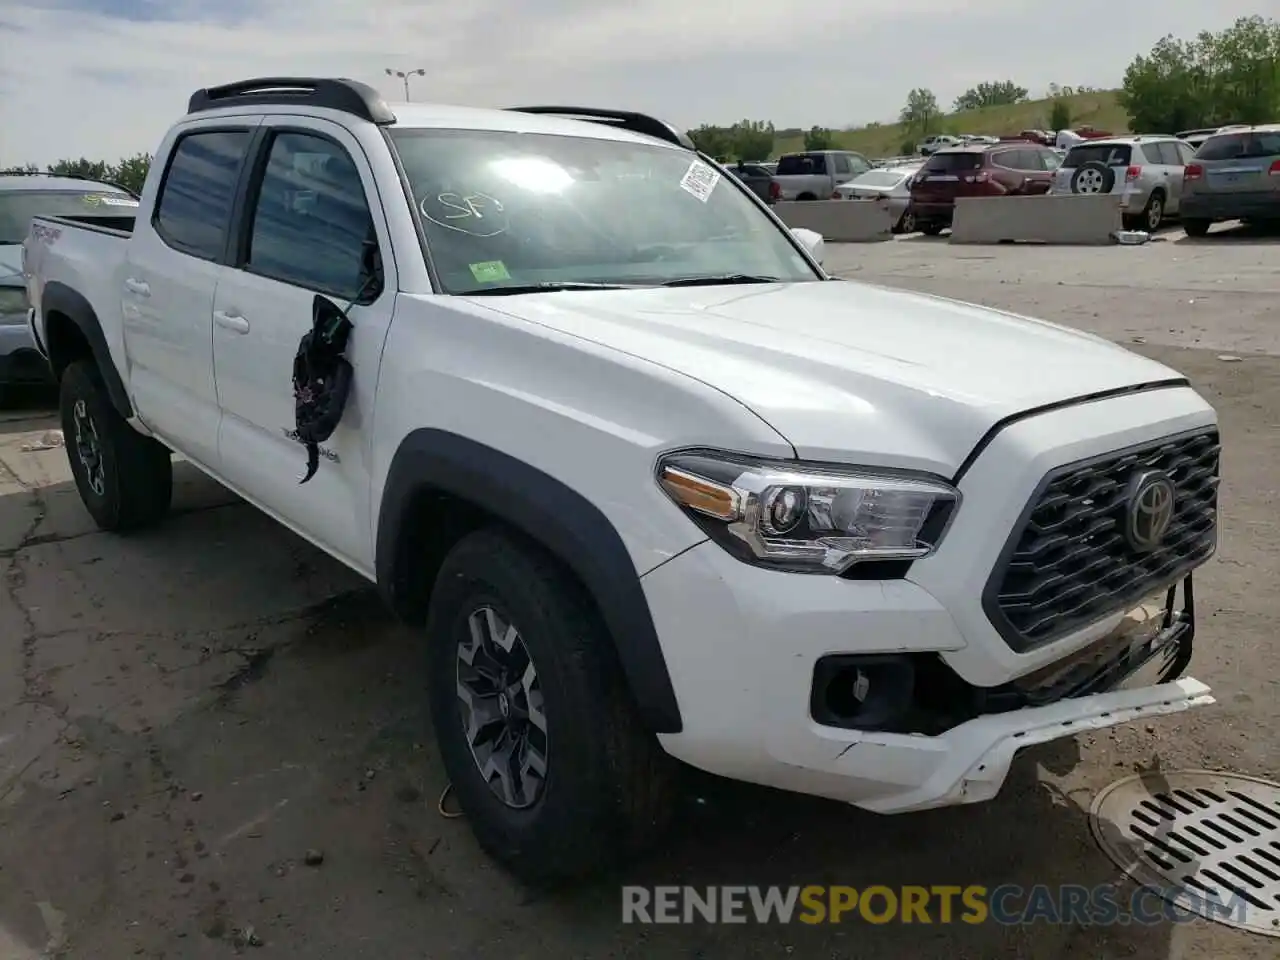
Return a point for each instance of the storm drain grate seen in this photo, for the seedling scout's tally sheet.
(1208, 843)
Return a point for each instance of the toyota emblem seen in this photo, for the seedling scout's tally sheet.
(1150, 510)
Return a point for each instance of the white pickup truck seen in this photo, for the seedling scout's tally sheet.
(654, 485)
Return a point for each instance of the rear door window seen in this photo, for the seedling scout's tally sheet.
(1169, 155)
(1111, 154)
(952, 163)
(1241, 146)
(842, 165)
(194, 208)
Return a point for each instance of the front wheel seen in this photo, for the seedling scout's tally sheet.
(125, 480)
(535, 724)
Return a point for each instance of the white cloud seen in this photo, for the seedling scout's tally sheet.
(77, 82)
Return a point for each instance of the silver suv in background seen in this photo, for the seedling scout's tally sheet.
(1235, 176)
(1146, 173)
(23, 196)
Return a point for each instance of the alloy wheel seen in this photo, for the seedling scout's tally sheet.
(89, 448)
(1089, 182)
(501, 705)
(1155, 214)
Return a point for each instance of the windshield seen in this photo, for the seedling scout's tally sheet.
(1241, 146)
(19, 206)
(515, 209)
(881, 178)
(1110, 154)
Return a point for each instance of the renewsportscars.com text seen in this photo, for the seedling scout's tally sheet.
(1103, 905)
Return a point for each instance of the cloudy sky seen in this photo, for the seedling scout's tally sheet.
(104, 78)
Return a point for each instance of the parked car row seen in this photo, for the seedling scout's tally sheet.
(1234, 175)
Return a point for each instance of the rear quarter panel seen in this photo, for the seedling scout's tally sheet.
(86, 260)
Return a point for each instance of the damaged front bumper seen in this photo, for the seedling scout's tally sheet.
(1132, 673)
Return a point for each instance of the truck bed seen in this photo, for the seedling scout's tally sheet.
(119, 224)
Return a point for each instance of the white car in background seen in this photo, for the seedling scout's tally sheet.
(885, 183)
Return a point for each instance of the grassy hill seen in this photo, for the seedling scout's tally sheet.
(1098, 109)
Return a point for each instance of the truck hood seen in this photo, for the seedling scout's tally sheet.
(849, 371)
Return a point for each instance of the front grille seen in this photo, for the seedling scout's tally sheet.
(1069, 563)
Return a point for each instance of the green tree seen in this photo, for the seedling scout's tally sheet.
(1059, 115)
(131, 172)
(84, 167)
(752, 139)
(711, 140)
(997, 93)
(1217, 78)
(819, 138)
(24, 168)
(920, 112)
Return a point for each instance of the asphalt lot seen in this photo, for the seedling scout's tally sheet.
(185, 714)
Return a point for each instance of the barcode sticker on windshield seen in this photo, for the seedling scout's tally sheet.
(700, 180)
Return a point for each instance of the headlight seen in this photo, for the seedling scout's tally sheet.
(13, 300)
(811, 518)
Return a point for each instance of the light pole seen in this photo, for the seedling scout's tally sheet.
(404, 77)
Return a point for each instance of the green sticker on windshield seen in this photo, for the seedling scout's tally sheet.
(490, 271)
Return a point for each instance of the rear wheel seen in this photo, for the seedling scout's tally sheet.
(1195, 226)
(535, 724)
(907, 223)
(125, 479)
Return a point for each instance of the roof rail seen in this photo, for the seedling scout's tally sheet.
(348, 96)
(624, 119)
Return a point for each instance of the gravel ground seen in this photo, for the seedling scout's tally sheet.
(189, 716)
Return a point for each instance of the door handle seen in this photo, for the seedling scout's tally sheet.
(137, 287)
(231, 321)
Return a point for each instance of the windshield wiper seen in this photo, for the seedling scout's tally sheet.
(715, 281)
(545, 287)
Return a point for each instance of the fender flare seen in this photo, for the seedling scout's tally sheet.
(60, 298)
(548, 512)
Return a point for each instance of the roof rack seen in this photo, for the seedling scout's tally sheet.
(624, 119)
(348, 96)
(69, 176)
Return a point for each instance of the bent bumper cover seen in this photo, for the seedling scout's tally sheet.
(971, 762)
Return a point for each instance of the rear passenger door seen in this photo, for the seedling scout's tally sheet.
(312, 224)
(167, 286)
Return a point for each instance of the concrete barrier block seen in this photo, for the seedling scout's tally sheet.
(1067, 219)
(840, 221)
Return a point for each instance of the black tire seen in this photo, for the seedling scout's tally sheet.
(1195, 226)
(1087, 171)
(906, 223)
(1153, 213)
(133, 488)
(608, 791)
(931, 229)
(806, 196)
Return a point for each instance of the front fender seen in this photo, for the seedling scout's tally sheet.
(550, 513)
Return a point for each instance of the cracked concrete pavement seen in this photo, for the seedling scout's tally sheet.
(186, 714)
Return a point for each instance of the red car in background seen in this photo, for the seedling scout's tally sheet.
(991, 170)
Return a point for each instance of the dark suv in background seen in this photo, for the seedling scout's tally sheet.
(1235, 175)
(989, 170)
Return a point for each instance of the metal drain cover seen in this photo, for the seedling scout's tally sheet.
(1199, 839)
